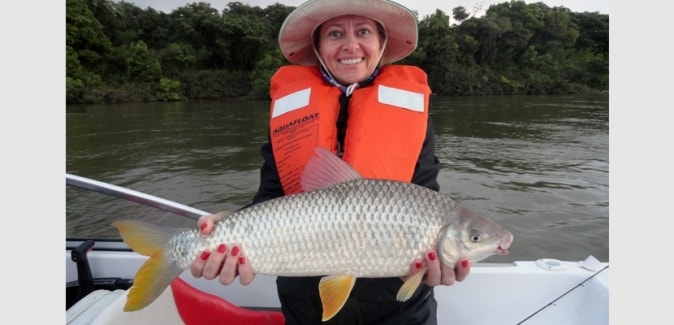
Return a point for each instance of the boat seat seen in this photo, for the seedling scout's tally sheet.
(87, 308)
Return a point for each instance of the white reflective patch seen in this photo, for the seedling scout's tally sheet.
(401, 98)
(291, 102)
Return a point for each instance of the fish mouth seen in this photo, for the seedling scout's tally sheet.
(505, 244)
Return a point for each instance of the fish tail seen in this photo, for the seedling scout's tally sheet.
(158, 271)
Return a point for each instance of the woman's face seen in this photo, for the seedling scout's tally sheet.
(350, 46)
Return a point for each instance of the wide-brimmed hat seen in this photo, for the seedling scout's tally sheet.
(296, 34)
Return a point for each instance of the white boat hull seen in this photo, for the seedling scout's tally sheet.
(524, 292)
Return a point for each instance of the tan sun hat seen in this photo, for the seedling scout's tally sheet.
(400, 24)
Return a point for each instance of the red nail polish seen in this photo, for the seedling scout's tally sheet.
(202, 227)
(242, 260)
(204, 255)
(235, 251)
(431, 256)
(464, 263)
(418, 265)
(222, 248)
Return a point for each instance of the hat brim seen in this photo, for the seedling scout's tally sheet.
(400, 24)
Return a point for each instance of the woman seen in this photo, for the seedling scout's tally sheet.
(344, 95)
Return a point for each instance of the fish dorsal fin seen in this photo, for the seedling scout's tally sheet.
(410, 286)
(325, 169)
(334, 290)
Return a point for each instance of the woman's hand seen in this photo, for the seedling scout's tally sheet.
(225, 263)
(438, 273)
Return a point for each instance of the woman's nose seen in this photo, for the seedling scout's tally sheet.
(350, 42)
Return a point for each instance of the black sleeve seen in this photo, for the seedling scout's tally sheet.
(270, 182)
(428, 165)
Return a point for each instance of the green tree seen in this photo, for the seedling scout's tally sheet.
(202, 27)
(169, 90)
(248, 40)
(460, 14)
(177, 57)
(141, 65)
(275, 15)
(116, 51)
(440, 49)
(85, 43)
(84, 34)
(264, 70)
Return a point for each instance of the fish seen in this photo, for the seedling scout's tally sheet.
(341, 227)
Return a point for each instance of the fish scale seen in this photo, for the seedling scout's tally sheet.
(362, 227)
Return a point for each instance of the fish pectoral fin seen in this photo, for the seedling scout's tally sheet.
(410, 286)
(334, 290)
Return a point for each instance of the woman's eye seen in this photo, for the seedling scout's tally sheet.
(334, 34)
(363, 31)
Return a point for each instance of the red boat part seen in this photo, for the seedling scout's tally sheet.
(197, 307)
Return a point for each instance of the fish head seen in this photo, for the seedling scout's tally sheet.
(472, 236)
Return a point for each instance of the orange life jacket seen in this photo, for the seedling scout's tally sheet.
(386, 125)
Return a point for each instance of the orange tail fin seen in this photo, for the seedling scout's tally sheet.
(158, 271)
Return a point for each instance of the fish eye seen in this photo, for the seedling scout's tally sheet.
(475, 237)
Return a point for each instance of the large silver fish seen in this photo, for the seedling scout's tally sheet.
(342, 227)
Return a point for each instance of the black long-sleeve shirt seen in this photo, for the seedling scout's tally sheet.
(372, 299)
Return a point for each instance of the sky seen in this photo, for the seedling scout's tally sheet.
(423, 7)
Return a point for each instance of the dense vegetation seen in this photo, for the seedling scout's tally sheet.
(118, 52)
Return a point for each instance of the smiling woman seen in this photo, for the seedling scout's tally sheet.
(343, 52)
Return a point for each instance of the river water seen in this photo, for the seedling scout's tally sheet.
(539, 165)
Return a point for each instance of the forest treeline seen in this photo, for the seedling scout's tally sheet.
(118, 52)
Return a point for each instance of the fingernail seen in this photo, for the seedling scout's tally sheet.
(202, 227)
(242, 260)
(418, 265)
(431, 256)
(464, 263)
(235, 251)
(222, 248)
(204, 255)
